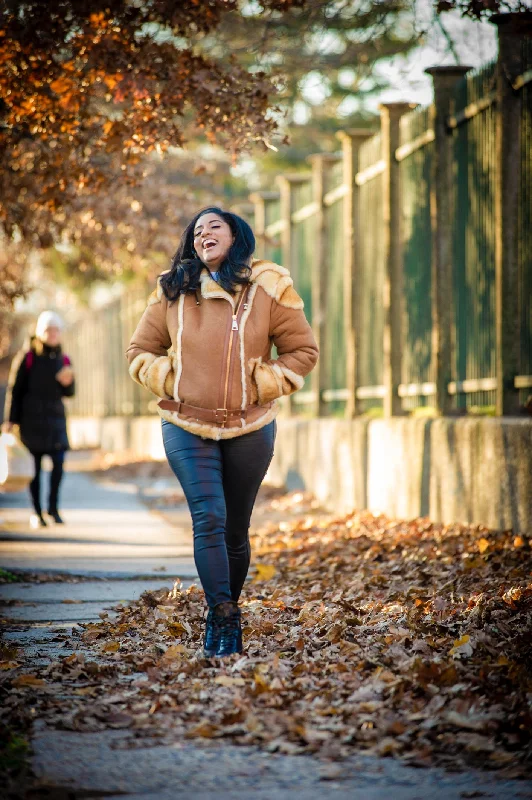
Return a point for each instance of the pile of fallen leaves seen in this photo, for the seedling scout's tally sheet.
(404, 639)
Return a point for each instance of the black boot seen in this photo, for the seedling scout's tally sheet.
(36, 520)
(56, 517)
(212, 635)
(227, 619)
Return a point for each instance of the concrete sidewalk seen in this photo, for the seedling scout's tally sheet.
(111, 536)
(108, 533)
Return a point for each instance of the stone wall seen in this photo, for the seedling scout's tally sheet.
(450, 470)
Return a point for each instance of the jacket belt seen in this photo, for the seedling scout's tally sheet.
(218, 416)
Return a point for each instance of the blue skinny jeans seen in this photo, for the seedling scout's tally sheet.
(220, 481)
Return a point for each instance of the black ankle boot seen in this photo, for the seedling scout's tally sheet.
(227, 619)
(56, 517)
(37, 520)
(212, 635)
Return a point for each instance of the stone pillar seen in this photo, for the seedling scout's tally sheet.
(512, 28)
(391, 114)
(351, 142)
(442, 218)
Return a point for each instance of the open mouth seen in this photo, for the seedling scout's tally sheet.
(209, 244)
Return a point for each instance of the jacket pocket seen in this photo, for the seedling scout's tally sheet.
(266, 382)
(155, 373)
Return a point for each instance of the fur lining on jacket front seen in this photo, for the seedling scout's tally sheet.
(197, 343)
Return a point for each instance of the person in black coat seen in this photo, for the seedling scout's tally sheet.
(39, 380)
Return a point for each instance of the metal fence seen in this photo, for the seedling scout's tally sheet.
(97, 345)
(394, 244)
(474, 237)
(370, 275)
(524, 221)
(409, 202)
(415, 172)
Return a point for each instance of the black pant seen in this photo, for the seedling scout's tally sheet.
(220, 481)
(55, 480)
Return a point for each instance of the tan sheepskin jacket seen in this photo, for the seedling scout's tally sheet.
(212, 350)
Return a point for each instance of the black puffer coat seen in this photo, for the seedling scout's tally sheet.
(34, 398)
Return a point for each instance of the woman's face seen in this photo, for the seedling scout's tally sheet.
(51, 336)
(212, 239)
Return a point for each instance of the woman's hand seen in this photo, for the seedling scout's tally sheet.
(7, 427)
(65, 376)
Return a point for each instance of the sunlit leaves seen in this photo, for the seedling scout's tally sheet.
(85, 94)
(368, 634)
(478, 9)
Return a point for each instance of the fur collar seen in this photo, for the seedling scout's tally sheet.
(273, 278)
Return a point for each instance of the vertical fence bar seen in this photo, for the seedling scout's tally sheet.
(286, 184)
(320, 275)
(319, 285)
(391, 114)
(370, 276)
(525, 232)
(285, 192)
(415, 157)
(351, 142)
(511, 30)
(442, 201)
(259, 203)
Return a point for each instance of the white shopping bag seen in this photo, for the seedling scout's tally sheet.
(16, 464)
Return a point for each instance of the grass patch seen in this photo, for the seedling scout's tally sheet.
(9, 577)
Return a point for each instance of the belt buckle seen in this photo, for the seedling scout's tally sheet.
(225, 412)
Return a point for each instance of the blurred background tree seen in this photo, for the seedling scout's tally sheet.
(323, 56)
(99, 100)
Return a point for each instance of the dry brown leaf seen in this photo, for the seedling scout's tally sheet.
(228, 680)
(23, 681)
(111, 647)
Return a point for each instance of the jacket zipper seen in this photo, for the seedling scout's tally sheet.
(234, 328)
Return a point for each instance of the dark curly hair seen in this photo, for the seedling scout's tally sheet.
(184, 275)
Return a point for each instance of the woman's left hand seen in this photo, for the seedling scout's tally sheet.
(65, 376)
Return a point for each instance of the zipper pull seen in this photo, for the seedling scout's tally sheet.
(234, 326)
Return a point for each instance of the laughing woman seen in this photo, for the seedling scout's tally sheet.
(203, 346)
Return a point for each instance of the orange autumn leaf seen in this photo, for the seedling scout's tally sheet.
(29, 681)
(111, 647)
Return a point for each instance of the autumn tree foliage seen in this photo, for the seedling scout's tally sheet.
(325, 54)
(89, 91)
(134, 230)
(87, 88)
(479, 9)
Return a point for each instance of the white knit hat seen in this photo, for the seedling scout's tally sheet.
(47, 319)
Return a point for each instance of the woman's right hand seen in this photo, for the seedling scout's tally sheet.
(7, 427)
(65, 376)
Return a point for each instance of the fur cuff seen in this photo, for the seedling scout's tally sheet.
(161, 377)
(271, 380)
(139, 367)
(290, 380)
(154, 373)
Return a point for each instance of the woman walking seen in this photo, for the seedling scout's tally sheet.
(41, 377)
(203, 346)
